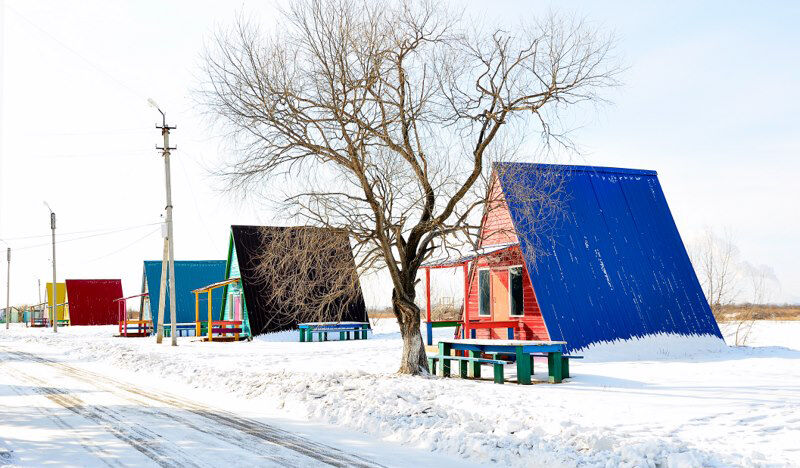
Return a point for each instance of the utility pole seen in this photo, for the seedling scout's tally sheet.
(53, 229)
(162, 294)
(165, 151)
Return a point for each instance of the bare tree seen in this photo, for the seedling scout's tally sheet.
(736, 290)
(759, 280)
(716, 262)
(309, 273)
(380, 118)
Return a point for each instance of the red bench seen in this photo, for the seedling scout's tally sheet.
(224, 330)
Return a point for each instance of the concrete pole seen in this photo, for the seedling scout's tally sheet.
(170, 242)
(162, 292)
(55, 312)
(172, 311)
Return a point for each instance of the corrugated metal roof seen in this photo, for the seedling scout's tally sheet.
(264, 314)
(189, 275)
(614, 265)
(91, 302)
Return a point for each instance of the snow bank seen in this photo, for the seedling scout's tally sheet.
(661, 346)
(661, 401)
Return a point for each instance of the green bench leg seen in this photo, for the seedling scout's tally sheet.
(498, 374)
(341, 336)
(554, 367)
(564, 367)
(523, 367)
(444, 350)
(462, 368)
(432, 365)
(363, 332)
(475, 367)
(302, 335)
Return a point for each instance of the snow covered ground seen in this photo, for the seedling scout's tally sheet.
(665, 401)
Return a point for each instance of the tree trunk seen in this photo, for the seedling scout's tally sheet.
(414, 360)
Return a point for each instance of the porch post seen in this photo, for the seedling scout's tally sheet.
(196, 314)
(428, 293)
(465, 329)
(210, 328)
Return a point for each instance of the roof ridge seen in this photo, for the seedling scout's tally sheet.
(580, 168)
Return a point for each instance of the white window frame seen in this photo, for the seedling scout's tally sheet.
(510, 314)
(480, 311)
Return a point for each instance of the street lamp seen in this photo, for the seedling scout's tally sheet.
(53, 229)
(169, 253)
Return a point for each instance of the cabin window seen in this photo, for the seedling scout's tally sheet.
(483, 293)
(516, 308)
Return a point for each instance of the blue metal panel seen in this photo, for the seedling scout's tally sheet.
(189, 275)
(613, 266)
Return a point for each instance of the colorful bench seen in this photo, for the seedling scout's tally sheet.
(464, 365)
(521, 350)
(321, 329)
(181, 329)
(37, 322)
(222, 330)
(135, 328)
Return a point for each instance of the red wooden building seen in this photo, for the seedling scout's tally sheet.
(497, 284)
(578, 254)
(91, 302)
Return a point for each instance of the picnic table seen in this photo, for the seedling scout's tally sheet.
(521, 350)
(307, 330)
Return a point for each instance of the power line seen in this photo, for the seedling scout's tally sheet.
(114, 154)
(77, 54)
(125, 247)
(123, 131)
(83, 232)
(73, 239)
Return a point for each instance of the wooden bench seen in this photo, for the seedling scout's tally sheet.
(221, 330)
(344, 333)
(181, 329)
(37, 322)
(135, 328)
(321, 329)
(564, 361)
(464, 362)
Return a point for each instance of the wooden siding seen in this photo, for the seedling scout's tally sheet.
(532, 326)
(496, 226)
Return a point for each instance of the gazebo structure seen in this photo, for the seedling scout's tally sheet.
(132, 328)
(468, 325)
(226, 330)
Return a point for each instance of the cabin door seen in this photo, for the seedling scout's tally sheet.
(237, 306)
(499, 295)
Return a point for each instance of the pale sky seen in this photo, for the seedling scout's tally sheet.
(709, 100)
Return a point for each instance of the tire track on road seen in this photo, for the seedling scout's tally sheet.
(85, 443)
(320, 452)
(140, 438)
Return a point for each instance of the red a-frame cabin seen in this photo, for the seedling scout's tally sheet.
(499, 299)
